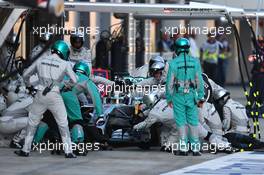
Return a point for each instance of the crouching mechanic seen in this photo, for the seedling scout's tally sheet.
(235, 122)
(14, 117)
(14, 120)
(70, 98)
(234, 116)
(184, 92)
(157, 111)
(51, 71)
(228, 141)
(210, 128)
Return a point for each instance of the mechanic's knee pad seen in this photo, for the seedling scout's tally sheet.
(77, 133)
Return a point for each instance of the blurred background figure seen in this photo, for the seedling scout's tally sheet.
(165, 44)
(119, 51)
(224, 55)
(102, 51)
(209, 56)
(7, 53)
(140, 51)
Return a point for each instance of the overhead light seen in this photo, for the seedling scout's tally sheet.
(223, 19)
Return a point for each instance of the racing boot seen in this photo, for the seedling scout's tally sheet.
(180, 153)
(21, 153)
(105, 147)
(80, 152)
(197, 153)
(70, 155)
(167, 149)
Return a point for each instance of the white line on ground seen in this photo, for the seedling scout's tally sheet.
(235, 164)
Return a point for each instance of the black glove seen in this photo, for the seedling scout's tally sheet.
(119, 82)
(128, 82)
(66, 88)
(17, 89)
(31, 89)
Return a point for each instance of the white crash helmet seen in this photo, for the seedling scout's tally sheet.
(158, 66)
(220, 94)
(150, 99)
(156, 59)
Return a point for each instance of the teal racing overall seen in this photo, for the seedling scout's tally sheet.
(184, 89)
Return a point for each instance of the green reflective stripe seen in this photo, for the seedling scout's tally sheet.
(223, 56)
(209, 56)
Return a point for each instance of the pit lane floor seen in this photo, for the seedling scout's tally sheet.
(131, 161)
(123, 161)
